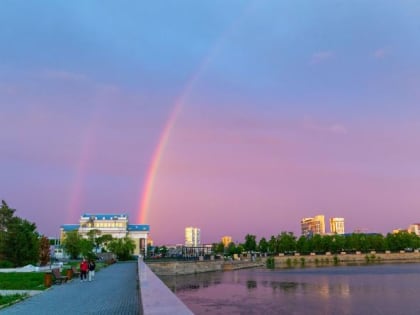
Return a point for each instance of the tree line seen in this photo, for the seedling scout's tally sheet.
(20, 243)
(75, 245)
(287, 242)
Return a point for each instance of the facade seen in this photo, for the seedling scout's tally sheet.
(414, 228)
(312, 226)
(226, 240)
(192, 237)
(337, 225)
(116, 225)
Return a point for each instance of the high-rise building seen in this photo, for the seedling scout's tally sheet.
(192, 236)
(414, 228)
(226, 240)
(337, 225)
(311, 226)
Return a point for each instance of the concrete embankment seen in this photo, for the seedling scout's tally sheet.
(170, 268)
(344, 258)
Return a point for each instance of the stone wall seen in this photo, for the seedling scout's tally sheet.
(343, 258)
(190, 267)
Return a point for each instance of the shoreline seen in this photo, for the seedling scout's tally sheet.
(173, 268)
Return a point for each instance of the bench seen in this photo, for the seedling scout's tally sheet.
(75, 272)
(58, 277)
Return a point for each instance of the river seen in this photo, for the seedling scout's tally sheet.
(372, 289)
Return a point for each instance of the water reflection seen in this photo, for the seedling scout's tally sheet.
(340, 290)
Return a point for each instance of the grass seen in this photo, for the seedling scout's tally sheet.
(11, 299)
(22, 281)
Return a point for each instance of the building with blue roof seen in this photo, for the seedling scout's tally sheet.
(116, 225)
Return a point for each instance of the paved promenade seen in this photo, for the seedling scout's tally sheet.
(114, 291)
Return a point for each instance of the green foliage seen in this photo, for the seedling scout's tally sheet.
(250, 243)
(218, 248)
(22, 281)
(122, 247)
(22, 242)
(6, 264)
(12, 298)
(263, 245)
(270, 263)
(289, 262)
(302, 262)
(336, 260)
(72, 244)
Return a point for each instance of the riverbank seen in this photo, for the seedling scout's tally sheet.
(357, 258)
(171, 268)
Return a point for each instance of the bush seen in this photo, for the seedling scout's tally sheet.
(270, 263)
(6, 264)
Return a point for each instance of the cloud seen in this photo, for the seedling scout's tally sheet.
(63, 75)
(321, 56)
(380, 53)
(335, 128)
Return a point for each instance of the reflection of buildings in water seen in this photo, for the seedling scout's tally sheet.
(286, 286)
(326, 288)
(251, 284)
(191, 282)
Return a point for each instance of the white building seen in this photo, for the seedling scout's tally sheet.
(192, 237)
(414, 228)
(337, 225)
(115, 225)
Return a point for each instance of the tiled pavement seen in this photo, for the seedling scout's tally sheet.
(114, 291)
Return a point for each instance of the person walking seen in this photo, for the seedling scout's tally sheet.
(83, 270)
(91, 267)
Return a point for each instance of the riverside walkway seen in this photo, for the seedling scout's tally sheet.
(114, 291)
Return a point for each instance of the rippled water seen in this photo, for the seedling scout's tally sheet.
(373, 289)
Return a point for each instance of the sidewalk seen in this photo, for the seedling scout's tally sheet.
(114, 291)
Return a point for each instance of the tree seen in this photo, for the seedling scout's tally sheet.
(72, 245)
(250, 243)
(22, 242)
(44, 251)
(6, 214)
(94, 237)
(122, 247)
(263, 245)
(286, 242)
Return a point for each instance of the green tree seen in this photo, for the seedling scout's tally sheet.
(122, 247)
(44, 251)
(22, 242)
(286, 242)
(72, 244)
(263, 245)
(6, 215)
(94, 237)
(250, 243)
(272, 245)
(218, 248)
(86, 248)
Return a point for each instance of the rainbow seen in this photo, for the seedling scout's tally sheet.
(146, 195)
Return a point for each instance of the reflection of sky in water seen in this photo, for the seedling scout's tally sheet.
(380, 289)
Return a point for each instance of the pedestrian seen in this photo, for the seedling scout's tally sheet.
(83, 270)
(91, 267)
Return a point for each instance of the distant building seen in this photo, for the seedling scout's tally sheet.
(311, 226)
(226, 240)
(337, 225)
(192, 237)
(414, 228)
(115, 225)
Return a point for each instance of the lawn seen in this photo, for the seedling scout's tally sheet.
(12, 298)
(22, 281)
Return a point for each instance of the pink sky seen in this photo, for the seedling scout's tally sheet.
(286, 112)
